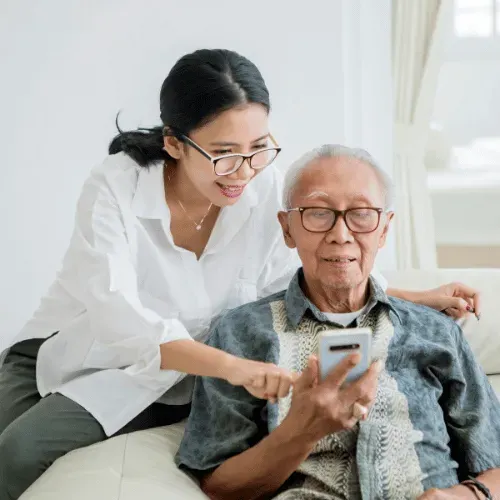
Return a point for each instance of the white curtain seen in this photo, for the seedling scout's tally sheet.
(419, 29)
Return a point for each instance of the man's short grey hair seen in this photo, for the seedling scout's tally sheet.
(294, 172)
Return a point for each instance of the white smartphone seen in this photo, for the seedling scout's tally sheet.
(334, 345)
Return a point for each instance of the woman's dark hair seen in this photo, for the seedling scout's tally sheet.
(200, 86)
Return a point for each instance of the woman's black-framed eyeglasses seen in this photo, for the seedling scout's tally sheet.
(322, 219)
(230, 163)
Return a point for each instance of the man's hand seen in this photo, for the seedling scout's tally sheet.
(322, 408)
(457, 492)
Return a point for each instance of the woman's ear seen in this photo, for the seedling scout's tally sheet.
(172, 145)
(284, 220)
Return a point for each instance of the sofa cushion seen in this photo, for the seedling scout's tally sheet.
(130, 467)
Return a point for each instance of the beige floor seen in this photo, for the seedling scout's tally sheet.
(468, 256)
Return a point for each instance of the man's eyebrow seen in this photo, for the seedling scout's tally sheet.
(317, 194)
(226, 143)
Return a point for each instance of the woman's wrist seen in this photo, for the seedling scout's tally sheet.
(226, 365)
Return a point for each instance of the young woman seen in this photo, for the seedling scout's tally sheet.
(177, 225)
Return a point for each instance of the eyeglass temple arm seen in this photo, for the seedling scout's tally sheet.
(275, 142)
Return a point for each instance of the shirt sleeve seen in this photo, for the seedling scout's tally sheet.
(472, 413)
(103, 277)
(225, 420)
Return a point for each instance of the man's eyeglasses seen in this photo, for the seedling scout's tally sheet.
(230, 163)
(322, 220)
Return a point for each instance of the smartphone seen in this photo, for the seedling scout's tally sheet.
(334, 345)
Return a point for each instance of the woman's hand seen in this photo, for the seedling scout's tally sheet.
(262, 380)
(455, 299)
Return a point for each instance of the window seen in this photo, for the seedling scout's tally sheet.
(477, 18)
(474, 31)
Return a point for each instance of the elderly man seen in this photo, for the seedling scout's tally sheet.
(422, 419)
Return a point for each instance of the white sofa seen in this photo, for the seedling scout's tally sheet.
(140, 465)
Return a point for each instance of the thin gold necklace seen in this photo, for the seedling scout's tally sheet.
(197, 225)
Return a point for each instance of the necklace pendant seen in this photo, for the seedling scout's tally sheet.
(198, 227)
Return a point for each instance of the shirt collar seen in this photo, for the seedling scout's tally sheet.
(297, 304)
(149, 197)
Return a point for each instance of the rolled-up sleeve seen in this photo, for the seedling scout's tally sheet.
(472, 412)
(126, 334)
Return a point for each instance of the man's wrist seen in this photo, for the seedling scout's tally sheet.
(463, 491)
(295, 434)
(479, 487)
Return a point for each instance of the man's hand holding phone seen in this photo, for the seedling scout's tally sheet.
(322, 407)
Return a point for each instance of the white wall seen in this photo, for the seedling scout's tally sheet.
(368, 105)
(68, 67)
